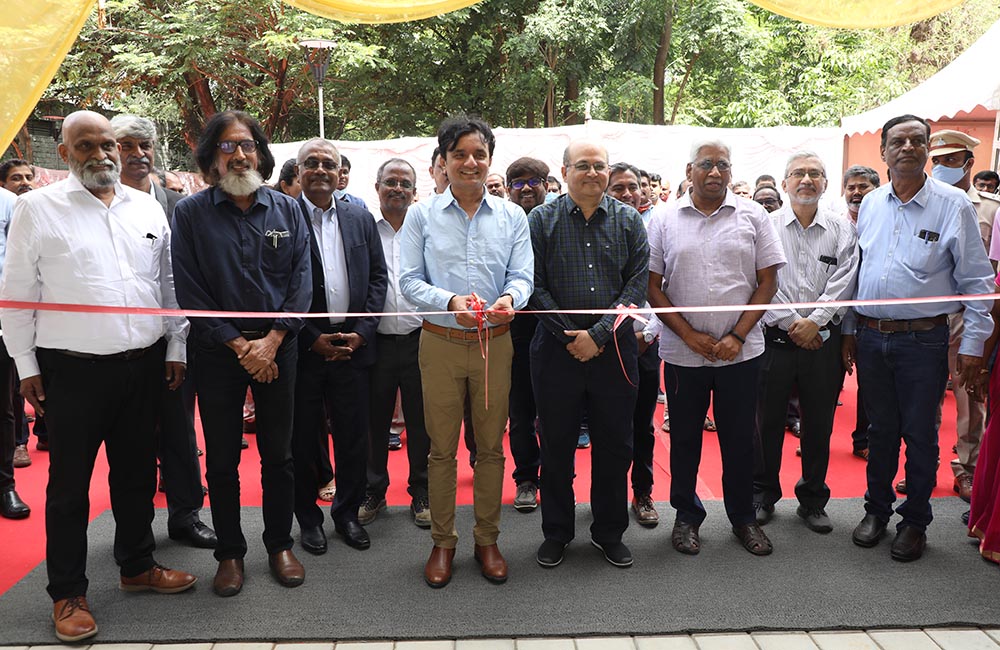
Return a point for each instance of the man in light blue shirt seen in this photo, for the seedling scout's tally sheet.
(919, 237)
(458, 246)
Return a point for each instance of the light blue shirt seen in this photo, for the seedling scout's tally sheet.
(350, 198)
(443, 253)
(6, 210)
(928, 246)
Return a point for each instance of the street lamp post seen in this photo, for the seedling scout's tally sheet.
(318, 55)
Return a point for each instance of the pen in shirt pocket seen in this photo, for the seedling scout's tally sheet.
(152, 239)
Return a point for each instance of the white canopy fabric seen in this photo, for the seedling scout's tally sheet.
(657, 149)
(963, 84)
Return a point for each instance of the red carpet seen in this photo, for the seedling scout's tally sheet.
(23, 542)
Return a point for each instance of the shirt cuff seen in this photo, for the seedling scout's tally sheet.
(27, 366)
(177, 350)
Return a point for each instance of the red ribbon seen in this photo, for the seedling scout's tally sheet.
(626, 312)
(478, 306)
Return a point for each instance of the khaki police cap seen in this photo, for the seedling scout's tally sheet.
(949, 141)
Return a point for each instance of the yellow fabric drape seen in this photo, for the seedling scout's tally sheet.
(858, 14)
(35, 38)
(379, 11)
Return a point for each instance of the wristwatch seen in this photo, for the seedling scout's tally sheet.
(648, 337)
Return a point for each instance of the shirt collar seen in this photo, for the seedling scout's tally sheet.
(75, 185)
(920, 198)
(262, 197)
(449, 199)
(603, 206)
(312, 207)
(788, 216)
(685, 202)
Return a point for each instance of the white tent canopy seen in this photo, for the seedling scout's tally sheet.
(960, 86)
(658, 149)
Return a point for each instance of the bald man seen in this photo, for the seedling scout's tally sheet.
(590, 253)
(68, 243)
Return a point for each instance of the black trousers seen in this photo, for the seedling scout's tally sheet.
(89, 402)
(523, 434)
(339, 391)
(564, 388)
(817, 373)
(643, 434)
(733, 389)
(178, 452)
(396, 367)
(7, 419)
(222, 387)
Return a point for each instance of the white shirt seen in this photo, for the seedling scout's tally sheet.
(331, 250)
(822, 266)
(66, 246)
(394, 300)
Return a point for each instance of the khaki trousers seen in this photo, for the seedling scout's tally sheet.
(449, 369)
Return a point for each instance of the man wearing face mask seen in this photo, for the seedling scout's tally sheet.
(952, 160)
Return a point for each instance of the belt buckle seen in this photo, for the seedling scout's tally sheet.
(882, 331)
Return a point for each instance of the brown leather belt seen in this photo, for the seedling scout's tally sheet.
(888, 326)
(465, 335)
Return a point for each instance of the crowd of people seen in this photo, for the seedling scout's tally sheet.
(488, 307)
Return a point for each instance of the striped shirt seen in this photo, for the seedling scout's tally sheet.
(587, 264)
(822, 266)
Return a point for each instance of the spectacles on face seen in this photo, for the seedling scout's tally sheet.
(229, 146)
(706, 165)
(313, 163)
(799, 174)
(531, 182)
(767, 201)
(584, 167)
(393, 183)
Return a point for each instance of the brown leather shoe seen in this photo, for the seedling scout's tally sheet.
(229, 578)
(73, 620)
(494, 567)
(159, 579)
(286, 568)
(437, 571)
(963, 486)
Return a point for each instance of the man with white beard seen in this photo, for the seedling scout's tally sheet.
(98, 378)
(241, 246)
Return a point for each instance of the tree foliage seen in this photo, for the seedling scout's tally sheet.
(516, 62)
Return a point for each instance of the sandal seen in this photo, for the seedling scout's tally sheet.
(666, 422)
(327, 492)
(709, 425)
(753, 538)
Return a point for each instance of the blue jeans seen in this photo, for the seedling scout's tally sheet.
(904, 376)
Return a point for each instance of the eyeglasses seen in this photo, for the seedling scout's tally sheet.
(531, 182)
(229, 146)
(585, 167)
(328, 165)
(706, 165)
(392, 182)
(799, 174)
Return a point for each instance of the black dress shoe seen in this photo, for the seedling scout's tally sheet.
(313, 539)
(354, 534)
(11, 506)
(196, 534)
(909, 544)
(869, 531)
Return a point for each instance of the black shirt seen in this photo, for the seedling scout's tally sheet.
(229, 260)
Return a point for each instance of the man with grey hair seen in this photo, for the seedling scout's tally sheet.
(178, 447)
(858, 181)
(335, 353)
(802, 346)
(712, 248)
